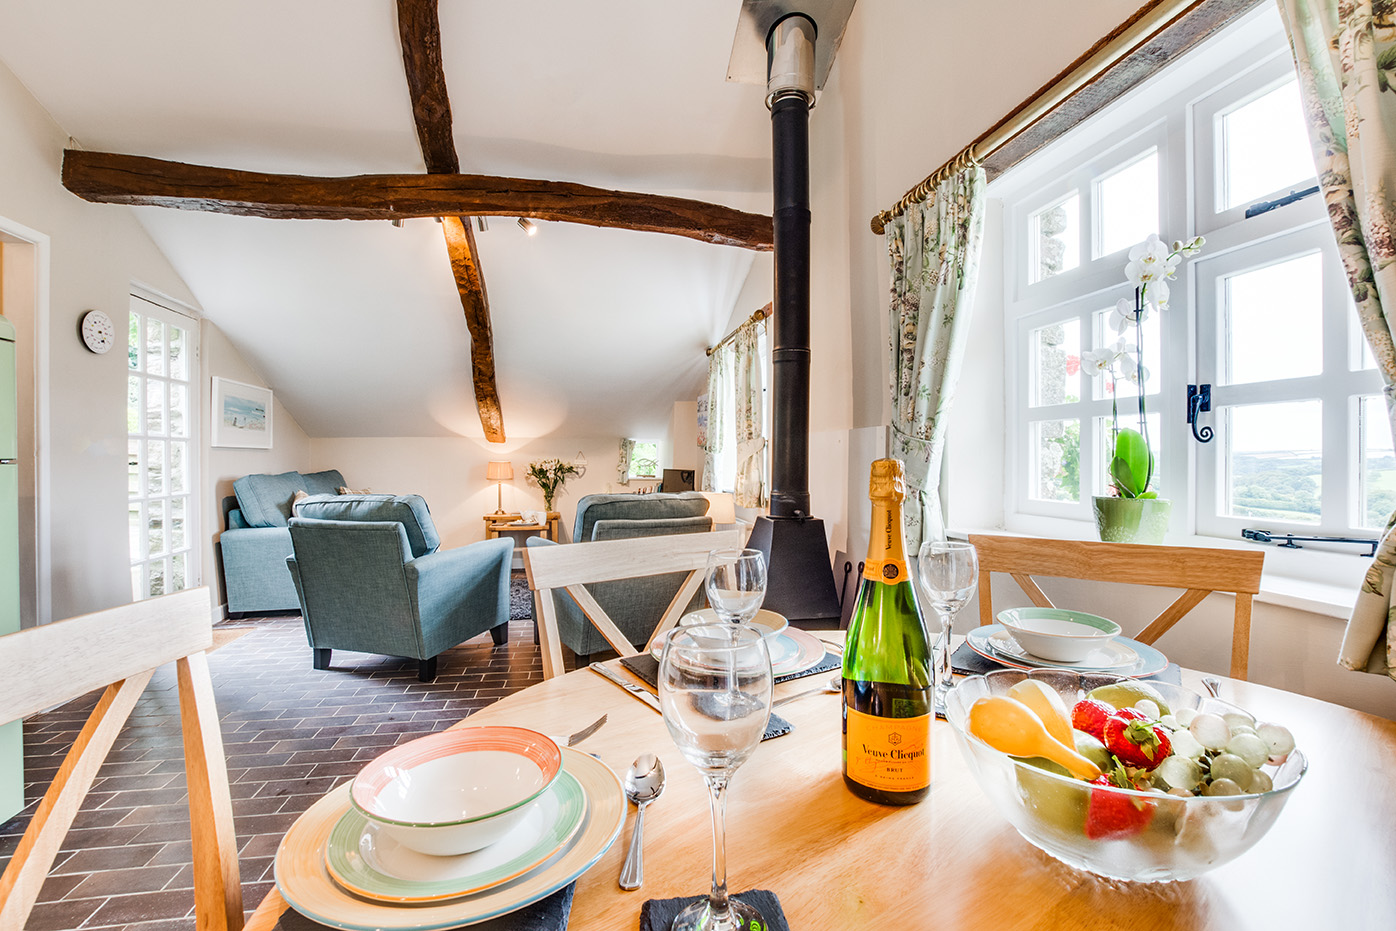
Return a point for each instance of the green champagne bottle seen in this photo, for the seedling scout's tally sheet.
(887, 683)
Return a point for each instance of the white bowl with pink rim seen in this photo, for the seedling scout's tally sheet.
(459, 790)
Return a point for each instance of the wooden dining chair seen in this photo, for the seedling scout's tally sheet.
(571, 568)
(120, 649)
(1198, 571)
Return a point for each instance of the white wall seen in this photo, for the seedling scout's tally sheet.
(97, 252)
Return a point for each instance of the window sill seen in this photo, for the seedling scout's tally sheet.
(1311, 580)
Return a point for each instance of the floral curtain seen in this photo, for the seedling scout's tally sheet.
(627, 447)
(717, 418)
(1345, 52)
(934, 251)
(749, 417)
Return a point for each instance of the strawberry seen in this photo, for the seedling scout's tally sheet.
(1135, 740)
(1089, 715)
(1111, 815)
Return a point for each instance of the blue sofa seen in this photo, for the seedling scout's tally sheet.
(256, 541)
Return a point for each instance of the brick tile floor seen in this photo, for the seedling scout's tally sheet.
(290, 734)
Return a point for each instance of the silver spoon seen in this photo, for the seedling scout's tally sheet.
(643, 783)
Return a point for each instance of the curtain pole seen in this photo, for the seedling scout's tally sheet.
(761, 314)
(1126, 38)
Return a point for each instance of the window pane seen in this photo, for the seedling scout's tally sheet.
(134, 423)
(133, 468)
(1274, 321)
(154, 467)
(177, 511)
(154, 347)
(644, 459)
(1105, 448)
(1056, 467)
(157, 578)
(1376, 477)
(179, 456)
(1273, 460)
(179, 410)
(179, 361)
(1264, 147)
(1055, 239)
(177, 580)
(133, 343)
(1128, 204)
(155, 527)
(1151, 335)
(137, 529)
(138, 583)
(1056, 363)
(154, 407)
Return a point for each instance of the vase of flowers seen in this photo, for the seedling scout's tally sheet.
(550, 475)
(1134, 513)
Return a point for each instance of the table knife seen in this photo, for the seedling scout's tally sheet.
(609, 673)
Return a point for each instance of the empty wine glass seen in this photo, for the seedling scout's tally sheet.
(715, 690)
(949, 571)
(736, 583)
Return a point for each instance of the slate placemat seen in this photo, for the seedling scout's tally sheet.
(547, 914)
(658, 914)
(647, 668)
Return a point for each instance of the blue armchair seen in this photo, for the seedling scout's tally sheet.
(371, 586)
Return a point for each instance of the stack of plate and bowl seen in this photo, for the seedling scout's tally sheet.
(451, 829)
(1056, 638)
(792, 650)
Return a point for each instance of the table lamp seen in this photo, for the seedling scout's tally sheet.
(500, 472)
(722, 507)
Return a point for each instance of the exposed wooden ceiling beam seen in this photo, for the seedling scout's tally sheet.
(106, 177)
(419, 33)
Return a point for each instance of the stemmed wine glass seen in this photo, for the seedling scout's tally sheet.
(949, 571)
(715, 691)
(736, 583)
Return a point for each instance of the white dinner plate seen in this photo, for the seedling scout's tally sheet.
(305, 884)
(989, 642)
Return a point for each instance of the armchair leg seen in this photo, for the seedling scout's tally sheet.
(426, 669)
(321, 658)
(499, 633)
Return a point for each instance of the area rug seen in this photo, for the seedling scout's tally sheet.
(520, 600)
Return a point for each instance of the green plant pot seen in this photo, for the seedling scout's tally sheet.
(1131, 520)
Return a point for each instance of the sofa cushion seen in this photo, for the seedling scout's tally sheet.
(322, 483)
(658, 506)
(265, 500)
(408, 510)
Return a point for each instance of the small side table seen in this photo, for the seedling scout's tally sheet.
(498, 524)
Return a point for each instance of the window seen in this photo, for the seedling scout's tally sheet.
(644, 459)
(1263, 315)
(723, 413)
(162, 360)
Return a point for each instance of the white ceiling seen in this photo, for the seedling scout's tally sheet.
(357, 324)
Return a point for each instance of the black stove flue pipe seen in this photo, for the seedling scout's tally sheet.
(800, 579)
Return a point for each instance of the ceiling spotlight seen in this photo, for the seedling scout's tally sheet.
(482, 224)
(528, 226)
(397, 223)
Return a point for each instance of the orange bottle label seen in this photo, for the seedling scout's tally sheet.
(888, 754)
(887, 571)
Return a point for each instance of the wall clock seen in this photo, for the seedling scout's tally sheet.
(98, 333)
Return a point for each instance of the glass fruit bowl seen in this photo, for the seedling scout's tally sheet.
(1164, 838)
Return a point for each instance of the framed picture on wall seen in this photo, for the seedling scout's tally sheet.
(241, 415)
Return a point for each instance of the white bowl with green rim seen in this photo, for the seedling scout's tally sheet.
(1058, 634)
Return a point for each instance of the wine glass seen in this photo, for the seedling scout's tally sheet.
(736, 584)
(715, 691)
(949, 571)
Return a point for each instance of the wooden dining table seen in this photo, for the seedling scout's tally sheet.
(952, 861)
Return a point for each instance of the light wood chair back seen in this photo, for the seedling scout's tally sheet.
(120, 649)
(1198, 571)
(573, 566)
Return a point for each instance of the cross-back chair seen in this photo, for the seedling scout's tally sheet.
(120, 649)
(571, 568)
(1198, 571)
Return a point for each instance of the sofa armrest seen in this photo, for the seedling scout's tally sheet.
(469, 583)
(255, 577)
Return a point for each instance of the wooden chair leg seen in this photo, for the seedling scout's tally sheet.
(499, 634)
(426, 669)
(321, 658)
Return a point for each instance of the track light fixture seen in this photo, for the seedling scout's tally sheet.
(482, 224)
(528, 226)
(397, 223)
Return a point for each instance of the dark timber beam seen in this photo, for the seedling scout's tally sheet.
(105, 177)
(419, 33)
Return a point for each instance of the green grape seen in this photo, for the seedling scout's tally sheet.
(1249, 748)
(1233, 718)
(1230, 766)
(1278, 738)
(1184, 716)
(1223, 787)
(1260, 782)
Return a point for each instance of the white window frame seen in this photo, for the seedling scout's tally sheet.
(1178, 113)
(150, 304)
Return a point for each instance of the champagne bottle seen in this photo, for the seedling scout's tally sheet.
(887, 681)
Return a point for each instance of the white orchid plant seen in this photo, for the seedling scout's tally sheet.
(1151, 265)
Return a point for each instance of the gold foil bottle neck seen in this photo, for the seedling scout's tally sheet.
(887, 480)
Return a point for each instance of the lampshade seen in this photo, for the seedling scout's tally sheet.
(721, 506)
(499, 471)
